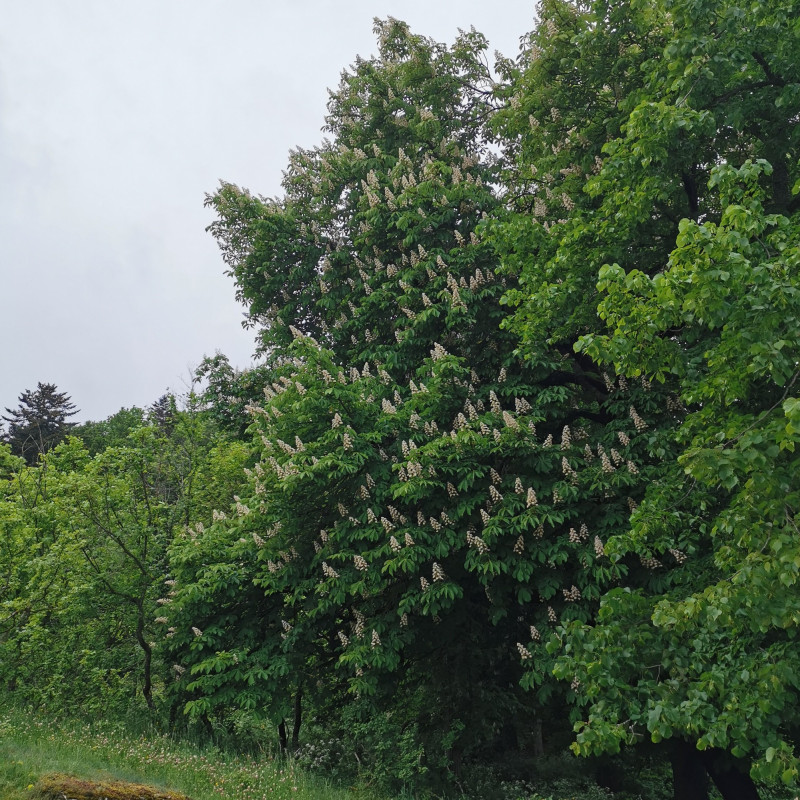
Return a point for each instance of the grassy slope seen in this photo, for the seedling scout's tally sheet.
(32, 746)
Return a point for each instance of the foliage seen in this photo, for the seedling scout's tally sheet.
(111, 432)
(225, 392)
(689, 232)
(83, 546)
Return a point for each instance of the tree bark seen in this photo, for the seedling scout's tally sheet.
(147, 687)
(538, 739)
(730, 775)
(689, 776)
(298, 718)
(283, 739)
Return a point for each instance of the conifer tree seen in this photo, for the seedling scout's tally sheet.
(40, 421)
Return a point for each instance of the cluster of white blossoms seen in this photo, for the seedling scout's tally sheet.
(328, 571)
(477, 543)
(337, 420)
(523, 651)
(509, 421)
(394, 544)
(519, 545)
(361, 564)
(638, 422)
(438, 351)
(678, 555)
(408, 540)
(424, 584)
(604, 460)
(388, 525)
(496, 496)
(161, 620)
(599, 550)
(568, 471)
(571, 595)
(624, 439)
(438, 573)
(650, 563)
(535, 635)
(531, 498)
(197, 631)
(343, 639)
(551, 614)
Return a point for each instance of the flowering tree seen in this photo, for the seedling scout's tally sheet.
(425, 505)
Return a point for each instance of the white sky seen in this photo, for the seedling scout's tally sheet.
(116, 118)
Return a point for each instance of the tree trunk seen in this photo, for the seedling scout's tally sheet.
(689, 776)
(147, 687)
(730, 775)
(538, 739)
(298, 718)
(283, 739)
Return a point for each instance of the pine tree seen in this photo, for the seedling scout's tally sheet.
(40, 422)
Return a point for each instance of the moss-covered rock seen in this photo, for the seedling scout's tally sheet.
(67, 787)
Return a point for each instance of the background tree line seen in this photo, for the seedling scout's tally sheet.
(518, 467)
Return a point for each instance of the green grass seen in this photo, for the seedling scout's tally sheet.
(32, 746)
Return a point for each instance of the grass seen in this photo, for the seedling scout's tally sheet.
(32, 747)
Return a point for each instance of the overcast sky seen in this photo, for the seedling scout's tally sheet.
(116, 118)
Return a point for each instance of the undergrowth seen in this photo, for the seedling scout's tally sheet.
(33, 746)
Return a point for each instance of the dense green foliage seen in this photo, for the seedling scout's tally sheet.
(519, 466)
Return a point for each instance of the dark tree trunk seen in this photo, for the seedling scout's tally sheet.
(147, 686)
(538, 739)
(283, 739)
(730, 776)
(298, 718)
(689, 776)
